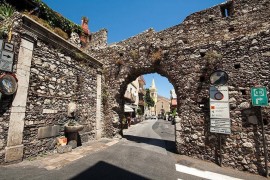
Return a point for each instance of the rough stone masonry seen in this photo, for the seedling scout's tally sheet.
(237, 42)
(51, 73)
(233, 37)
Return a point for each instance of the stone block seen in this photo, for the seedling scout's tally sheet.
(64, 149)
(49, 111)
(18, 109)
(21, 96)
(253, 119)
(14, 153)
(15, 131)
(98, 134)
(27, 44)
(48, 131)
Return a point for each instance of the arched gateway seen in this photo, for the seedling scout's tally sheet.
(233, 37)
(236, 42)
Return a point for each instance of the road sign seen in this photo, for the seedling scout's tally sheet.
(7, 56)
(6, 61)
(259, 96)
(8, 46)
(220, 130)
(219, 94)
(220, 110)
(219, 78)
(221, 123)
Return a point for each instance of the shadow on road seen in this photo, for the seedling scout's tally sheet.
(103, 170)
(168, 145)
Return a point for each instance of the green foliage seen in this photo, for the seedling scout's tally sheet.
(6, 11)
(139, 111)
(148, 100)
(174, 112)
(3, 32)
(61, 33)
(54, 19)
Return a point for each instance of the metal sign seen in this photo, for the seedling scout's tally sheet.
(6, 61)
(219, 110)
(259, 96)
(8, 47)
(219, 94)
(220, 130)
(221, 123)
(219, 77)
(8, 84)
(7, 56)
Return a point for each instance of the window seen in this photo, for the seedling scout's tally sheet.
(227, 9)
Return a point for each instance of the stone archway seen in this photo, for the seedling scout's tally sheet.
(187, 54)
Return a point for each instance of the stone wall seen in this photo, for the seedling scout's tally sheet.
(6, 101)
(57, 79)
(186, 54)
(59, 73)
(99, 39)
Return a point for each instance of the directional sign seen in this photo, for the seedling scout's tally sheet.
(259, 96)
(6, 61)
(8, 46)
(219, 94)
(219, 110)
(7, 56)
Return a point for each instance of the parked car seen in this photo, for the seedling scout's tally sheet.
(154, 117)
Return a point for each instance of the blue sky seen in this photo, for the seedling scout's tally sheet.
(126, 18)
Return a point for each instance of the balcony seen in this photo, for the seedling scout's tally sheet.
(129, 97)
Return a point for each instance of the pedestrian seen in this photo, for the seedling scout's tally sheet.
(129, 119)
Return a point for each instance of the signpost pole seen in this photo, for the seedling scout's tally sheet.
(220, 154)
(264, 145)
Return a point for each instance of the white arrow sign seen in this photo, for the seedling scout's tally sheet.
(258, 99)
(7, 56)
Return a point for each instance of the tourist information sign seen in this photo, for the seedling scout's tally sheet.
(259, 96)
(219, 110)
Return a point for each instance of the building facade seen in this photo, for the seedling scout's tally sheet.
(141, 94)
(173, 100)
(162, 106)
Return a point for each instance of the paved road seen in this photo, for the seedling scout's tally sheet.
(145, 152)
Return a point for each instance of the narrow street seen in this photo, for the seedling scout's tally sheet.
(145, 152)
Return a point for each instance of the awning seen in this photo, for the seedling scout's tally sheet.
(128, 109)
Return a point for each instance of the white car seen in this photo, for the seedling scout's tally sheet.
(154, 117)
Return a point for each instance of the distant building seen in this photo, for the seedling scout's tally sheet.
(141, 93)
(162, 105)
(173, 100)
(154, 96)
(131, 96)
